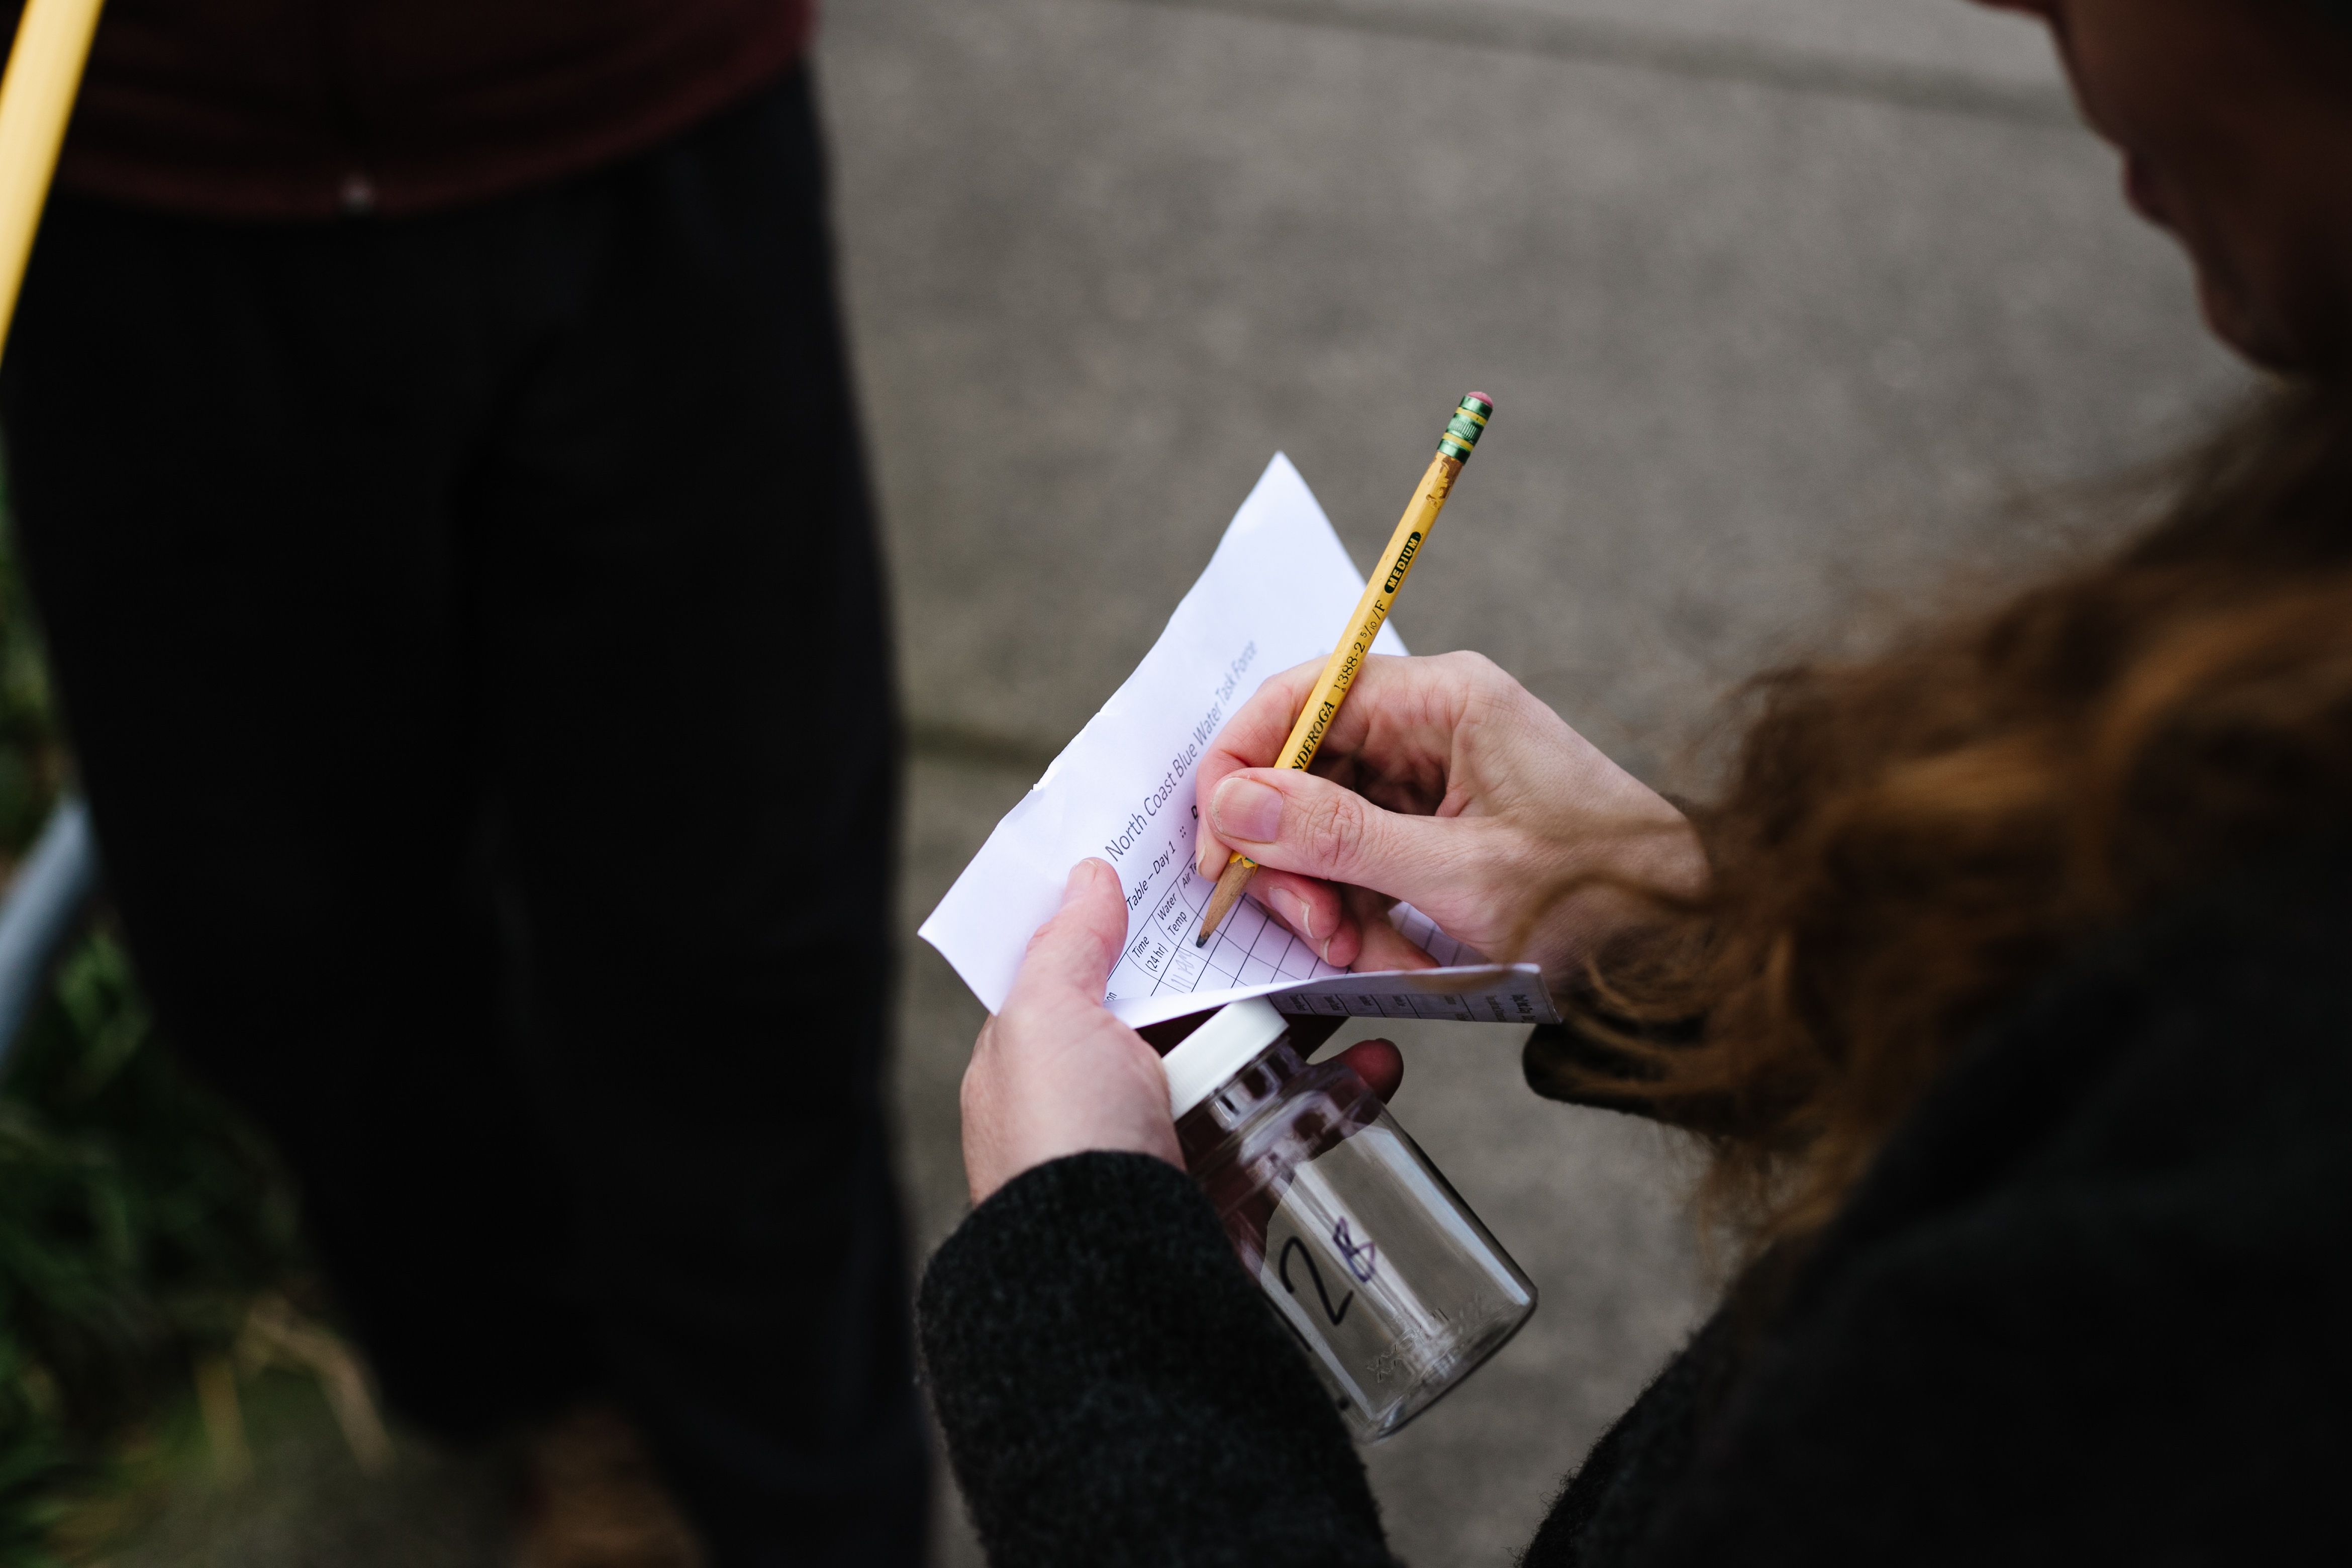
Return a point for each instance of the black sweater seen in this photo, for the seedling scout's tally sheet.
(2093, 1303)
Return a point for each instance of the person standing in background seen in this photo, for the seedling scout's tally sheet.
(434, 459)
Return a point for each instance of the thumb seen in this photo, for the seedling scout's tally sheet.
(1076, 948)
(1295, 822)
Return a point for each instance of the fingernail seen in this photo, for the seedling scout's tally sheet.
(1204, 861)
(1302, 917)
(1246, 810)
(1080, 875)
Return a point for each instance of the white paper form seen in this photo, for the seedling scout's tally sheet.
(1274, 594)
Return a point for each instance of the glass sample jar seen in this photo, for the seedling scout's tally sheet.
(1394, 1285)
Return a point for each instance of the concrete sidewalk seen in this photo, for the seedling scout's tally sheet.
(1765, 345)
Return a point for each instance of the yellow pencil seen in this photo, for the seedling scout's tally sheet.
(1453, 450)
(37, 97)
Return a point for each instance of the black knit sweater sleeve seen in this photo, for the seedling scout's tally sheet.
(1115, 1391)
(2089, 1305)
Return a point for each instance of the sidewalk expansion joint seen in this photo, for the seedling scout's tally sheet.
(1475, 25)
(963, 746)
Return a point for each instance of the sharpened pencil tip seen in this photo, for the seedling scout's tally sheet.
(1202, 939)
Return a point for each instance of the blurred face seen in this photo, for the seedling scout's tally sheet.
(2235, 118)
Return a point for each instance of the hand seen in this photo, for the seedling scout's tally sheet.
(1443, 782)
(1054, 1073)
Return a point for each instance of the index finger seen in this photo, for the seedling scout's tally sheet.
(1254, 733)
(1250, 739)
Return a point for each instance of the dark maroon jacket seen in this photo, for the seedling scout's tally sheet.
(298, 108)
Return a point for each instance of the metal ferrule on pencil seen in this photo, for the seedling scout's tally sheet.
(1463, 430)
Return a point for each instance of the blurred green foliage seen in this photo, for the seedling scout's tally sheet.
(138, 1216)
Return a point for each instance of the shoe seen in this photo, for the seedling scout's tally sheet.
(592, 1498)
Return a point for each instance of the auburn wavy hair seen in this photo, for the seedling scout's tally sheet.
(1906, 841)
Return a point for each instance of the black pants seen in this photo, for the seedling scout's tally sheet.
(469, 627)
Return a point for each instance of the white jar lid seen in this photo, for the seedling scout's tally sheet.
(1228, 1042)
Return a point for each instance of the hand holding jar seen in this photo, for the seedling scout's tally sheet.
(1054, 1073)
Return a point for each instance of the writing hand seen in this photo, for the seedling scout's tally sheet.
(1444, 782)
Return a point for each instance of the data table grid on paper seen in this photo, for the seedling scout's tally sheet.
(1250, 948)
